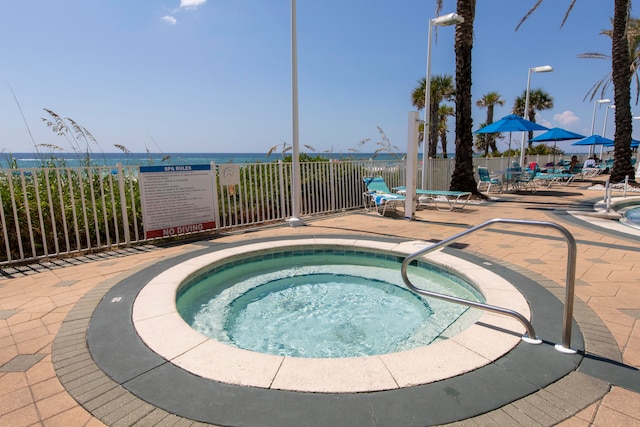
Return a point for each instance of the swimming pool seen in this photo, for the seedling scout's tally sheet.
(323, 303)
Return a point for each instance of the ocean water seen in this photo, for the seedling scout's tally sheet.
(35, 160)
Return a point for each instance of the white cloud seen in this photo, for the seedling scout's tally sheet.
(566, 118)
(191, 4)
(544, 123)
(169, 19)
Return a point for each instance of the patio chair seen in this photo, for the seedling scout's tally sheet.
(486, 180)
(527, 180)
(511, 177)
(379, 196)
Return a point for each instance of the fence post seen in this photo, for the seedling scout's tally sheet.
(332, 180)
(283, 214)
(123, 206)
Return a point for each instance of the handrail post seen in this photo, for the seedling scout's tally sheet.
(565, 347)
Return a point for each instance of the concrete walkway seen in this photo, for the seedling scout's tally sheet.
(35, 301)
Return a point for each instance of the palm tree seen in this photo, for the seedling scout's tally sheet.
(417, 100)
(621, 72)
(633, 37)
(444, 112)
(441, 89)
(489, 101)
(538, 100)
(463, 178)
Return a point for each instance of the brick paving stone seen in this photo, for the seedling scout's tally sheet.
(12, 381)
(153, 418)
(92, 389)
(551, 408)
(602, 260)
(625, 400)
(46, 388)
(105, 402)
(16, 400)
(95, 376)
(521, 418)
(21, 363)
(133, 415)
(169, 421)
(24, 416)
(123, 407)
(76, 416)
(55, 404)
(607, 417)
(538, 414)
(71, 375)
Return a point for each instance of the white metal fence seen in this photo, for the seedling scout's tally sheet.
(54, 212)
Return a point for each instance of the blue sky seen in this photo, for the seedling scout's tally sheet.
(215, 75)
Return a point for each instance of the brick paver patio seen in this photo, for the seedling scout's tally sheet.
(35, 300)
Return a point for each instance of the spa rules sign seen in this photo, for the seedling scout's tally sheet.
(176, 200)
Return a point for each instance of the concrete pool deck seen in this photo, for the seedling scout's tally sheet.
(35, 301)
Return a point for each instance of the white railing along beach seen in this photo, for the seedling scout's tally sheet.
(54, 212)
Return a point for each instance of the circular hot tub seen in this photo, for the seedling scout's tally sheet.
(259, 302)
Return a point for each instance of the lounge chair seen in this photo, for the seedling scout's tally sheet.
(548, 179)
(443, 200)
(379, 196)
(486, 180)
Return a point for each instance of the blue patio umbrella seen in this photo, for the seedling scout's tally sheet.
(594, 140)
(511, 123)
(555, 135)
(634, 144)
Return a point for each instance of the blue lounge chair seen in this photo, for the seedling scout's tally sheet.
(379, 196)
(450, 199)
(486, 180)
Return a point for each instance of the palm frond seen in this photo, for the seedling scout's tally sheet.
(566, 15)
(533, 9)
(594, 55)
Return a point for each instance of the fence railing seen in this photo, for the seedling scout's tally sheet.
(53, 212)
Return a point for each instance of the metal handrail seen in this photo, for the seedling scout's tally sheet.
(531, 337)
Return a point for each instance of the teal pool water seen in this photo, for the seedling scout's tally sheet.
(324, 303)
(633, 216)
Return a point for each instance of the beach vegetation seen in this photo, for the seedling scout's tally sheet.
(55, 206)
